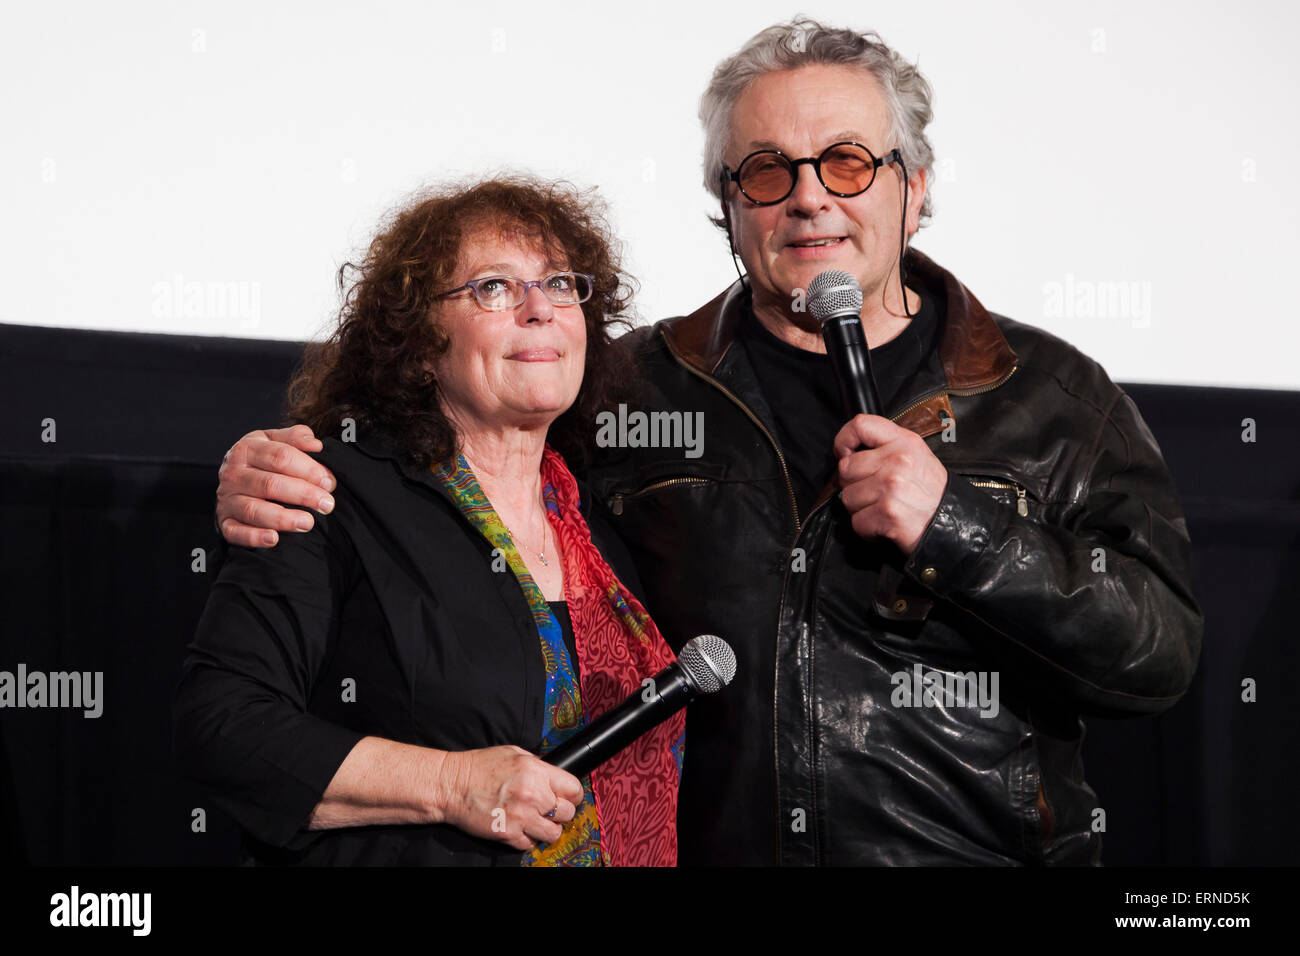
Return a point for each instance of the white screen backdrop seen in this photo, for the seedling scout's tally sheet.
(1121, 174)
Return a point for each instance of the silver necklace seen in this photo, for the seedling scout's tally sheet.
(540, 554)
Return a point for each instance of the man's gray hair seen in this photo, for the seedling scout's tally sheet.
(801, 42)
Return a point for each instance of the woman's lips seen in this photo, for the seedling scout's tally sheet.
(535, 355)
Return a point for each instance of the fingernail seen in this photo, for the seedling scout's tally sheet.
(269, 538)
(303, 524)
(324, 481)
(326, 505)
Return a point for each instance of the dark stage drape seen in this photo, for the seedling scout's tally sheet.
(99, 531)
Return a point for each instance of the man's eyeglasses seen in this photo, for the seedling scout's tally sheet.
(767, 177)
(502, 293)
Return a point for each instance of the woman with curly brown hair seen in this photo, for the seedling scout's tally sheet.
(373, 691)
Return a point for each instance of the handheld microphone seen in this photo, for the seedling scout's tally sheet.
(705, 665)
(835, 301)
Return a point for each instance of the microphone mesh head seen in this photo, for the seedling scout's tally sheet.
(710, 662)
(833, 293)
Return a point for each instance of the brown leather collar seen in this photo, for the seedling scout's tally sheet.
(973, 350)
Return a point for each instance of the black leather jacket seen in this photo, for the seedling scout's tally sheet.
(1058, 559)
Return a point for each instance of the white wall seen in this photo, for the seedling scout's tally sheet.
(244, 152)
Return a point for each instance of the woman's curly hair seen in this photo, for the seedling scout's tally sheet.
(375, 367)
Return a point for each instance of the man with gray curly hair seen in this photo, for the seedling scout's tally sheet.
(804, 43)
(924, 603)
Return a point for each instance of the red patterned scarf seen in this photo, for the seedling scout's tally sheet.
(618, 647)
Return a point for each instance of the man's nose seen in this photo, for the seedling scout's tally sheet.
(536, 306)
(809, 195)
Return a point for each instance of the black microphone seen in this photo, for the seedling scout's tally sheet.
(705, 665)
(835, 301)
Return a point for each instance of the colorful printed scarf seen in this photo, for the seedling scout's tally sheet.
(628, 816)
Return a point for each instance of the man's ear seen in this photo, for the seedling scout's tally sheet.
(731, 225)
(916, 186)
(729, 213)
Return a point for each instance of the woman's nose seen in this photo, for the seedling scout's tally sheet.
(536, 306)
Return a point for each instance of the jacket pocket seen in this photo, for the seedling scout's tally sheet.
(1038, 821)
(899, 600)
(1046, 821)
(622, 496)
(1006, 489)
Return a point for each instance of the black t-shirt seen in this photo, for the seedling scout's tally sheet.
(803, 393)
(561, 611)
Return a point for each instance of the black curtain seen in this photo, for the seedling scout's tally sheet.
(99, 532)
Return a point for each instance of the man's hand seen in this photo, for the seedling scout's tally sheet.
(267, 466)
(893, 486)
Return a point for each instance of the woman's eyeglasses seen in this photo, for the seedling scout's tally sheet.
(502, 293)
(767, 177)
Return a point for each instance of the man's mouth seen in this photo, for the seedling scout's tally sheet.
(817, 243)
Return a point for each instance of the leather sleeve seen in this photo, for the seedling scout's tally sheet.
(1120, 641)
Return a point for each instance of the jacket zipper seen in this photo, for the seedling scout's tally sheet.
(616, 500)
(1022, 506)
(798, 525)
(956, 391)
(918, 403)
(785, 471)
(985, 388)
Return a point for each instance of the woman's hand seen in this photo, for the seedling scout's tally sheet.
(507, 794)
